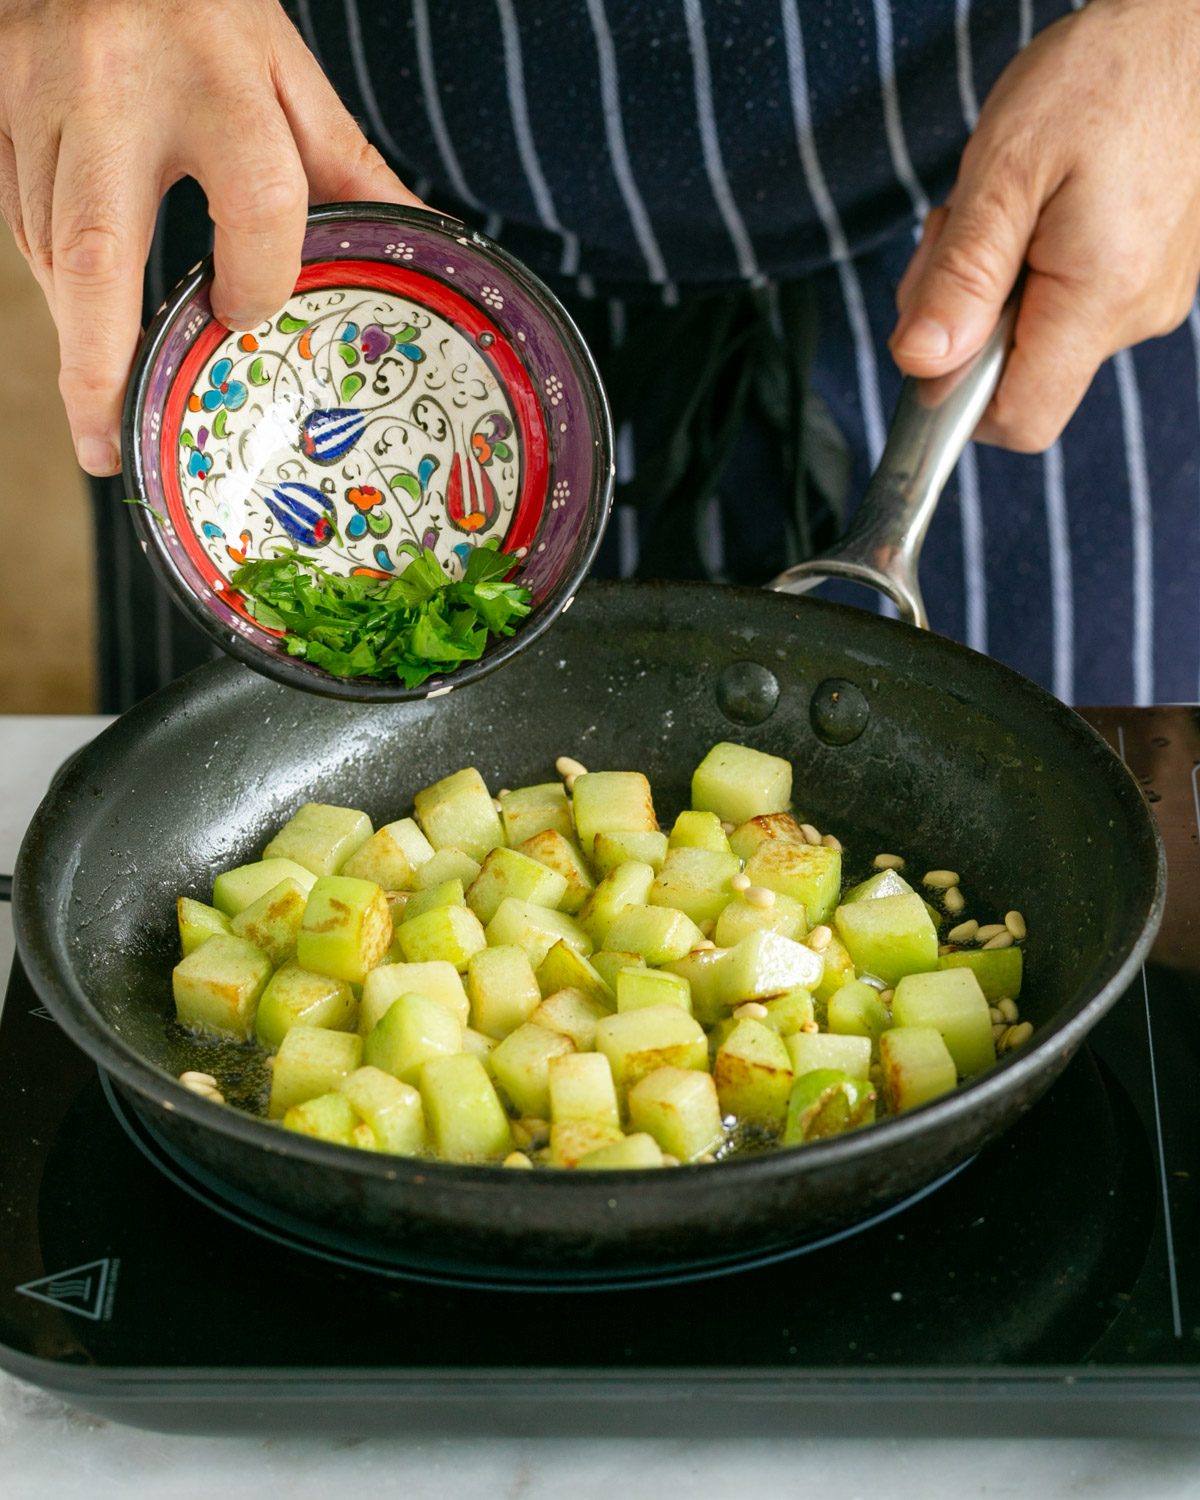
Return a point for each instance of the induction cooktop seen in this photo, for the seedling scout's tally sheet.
(1052, 1284)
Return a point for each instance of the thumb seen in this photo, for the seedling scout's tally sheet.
(956, 287)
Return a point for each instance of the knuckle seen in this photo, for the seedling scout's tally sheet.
(266, 198)
(88, 253)
(973, 267)
(1020, 427)
(84, 385)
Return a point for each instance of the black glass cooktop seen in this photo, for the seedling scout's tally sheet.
(1050, 1285)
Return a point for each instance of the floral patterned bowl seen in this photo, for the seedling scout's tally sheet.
(420, 386)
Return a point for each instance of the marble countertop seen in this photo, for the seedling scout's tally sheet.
(49, 1451)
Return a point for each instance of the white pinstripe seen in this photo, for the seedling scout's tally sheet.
(962, 52)
(433, 104)
(893, 122)
(1025, 26)
(710, 144)
(852, 294)
(1140, 521)
(618, 151)
(309, 33)
(625, 461)
(383, 136)
(518, 108)
(1062, 587)
(974, 575)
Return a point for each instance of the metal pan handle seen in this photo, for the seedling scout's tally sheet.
(933, 423)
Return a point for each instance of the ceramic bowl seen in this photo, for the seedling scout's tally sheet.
(420, 386)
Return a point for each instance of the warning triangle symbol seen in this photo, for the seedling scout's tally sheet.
(41, 1013)
(79, 1290)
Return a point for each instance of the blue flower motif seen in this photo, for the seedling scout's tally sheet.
(225, 392)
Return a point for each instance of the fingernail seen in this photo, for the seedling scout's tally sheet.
(922, 339)
(237, 322)
(97, 455)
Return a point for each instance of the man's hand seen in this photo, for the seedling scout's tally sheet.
(1085, 167)
(103, 105)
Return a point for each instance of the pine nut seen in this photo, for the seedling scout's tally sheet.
(944, 948)
(811, 834)
(740, 882)
(809, 1028)
(760, 896)
(820, 938)
(1008, 1009)
(831, 842)
(191, 1080)
(726, 829)
(1001, 940)
(996, 1015)
(999, 1031)
(986, 934)
(955, 901)
(669, 1160)
(1015, 923)
(504, 792)
(517, 1159)
(751, 1011)
(940, 880)
(705, 1159)
(569, 781)
(707, 946)
(887, 996)
(497, 804)
(888, 862)
(1017, 1036)
(567, 765)
(964, 932)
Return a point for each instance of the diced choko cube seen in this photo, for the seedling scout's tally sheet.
(612, 802)
(886, 883)
(738, 783)
(463, 1113)
(347, 928)
(790, 1013)
(520, 1064)
(637, 988)
(582, 1088)
(234, 890)
(738, 919)
(916, 1066)
(198, 922)
(699, 830)
(609, 965)
(998, 970)
(680, 1109)
(572, 1013)
(857, 1010)
(703, 968)
(444, 893)
(311, 1061)
(695, 882)
(572, 1140)
(217, 987)
(503, 990)
(635, 1151)
(459, 810)
(952, 1001)
(808, 873)
(825, 1102)
(272, 923)
(506, 872)
(613, 849)
(821, 1049)
(531, 810)
(321, 837)
(557, 853)
(536, 929)
(329, 1117)
(659, 1036)
(448, 864)
(413, 1030)
(753, 1075)
(628, 884)
(391, 857)
(839, 970)
(889, 937)
(563, 968)
(750, 835)
(448, 933)
(765, 964)
(659, 933)
(294, 997)
(437, 980)
(392, 1109)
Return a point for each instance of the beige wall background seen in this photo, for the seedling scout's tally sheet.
(47, 629)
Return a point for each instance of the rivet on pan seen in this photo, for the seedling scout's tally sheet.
(485, 340)
(839, 711)
(747, 693)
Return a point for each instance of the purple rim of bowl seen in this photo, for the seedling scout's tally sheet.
(550, 345)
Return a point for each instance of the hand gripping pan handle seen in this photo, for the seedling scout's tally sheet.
(933, 423)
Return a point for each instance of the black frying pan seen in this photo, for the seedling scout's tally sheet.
(899, 739)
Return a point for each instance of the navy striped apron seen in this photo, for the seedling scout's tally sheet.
(645, 153)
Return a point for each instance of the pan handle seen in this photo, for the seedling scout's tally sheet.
(933, 423)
